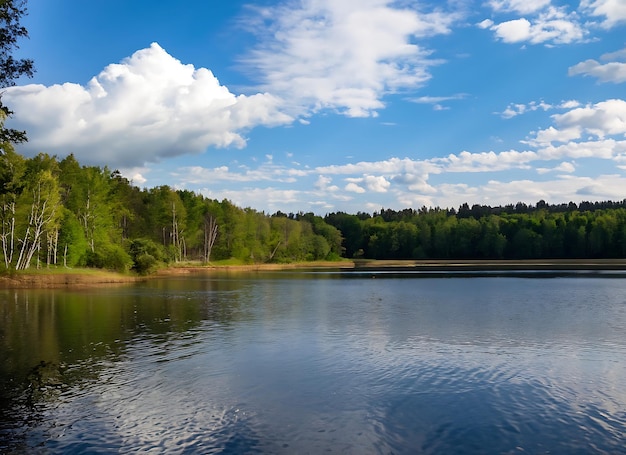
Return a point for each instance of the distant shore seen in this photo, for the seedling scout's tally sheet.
(490, 264)
(79, 278)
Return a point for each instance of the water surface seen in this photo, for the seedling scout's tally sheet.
(311, 362)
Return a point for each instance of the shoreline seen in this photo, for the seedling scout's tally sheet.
(83, 278)
(493, 265)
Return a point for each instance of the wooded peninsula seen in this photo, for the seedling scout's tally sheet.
(61, 214)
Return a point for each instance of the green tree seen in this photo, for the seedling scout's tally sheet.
(39, 211)
(11, 31)
(12, 169)
(72, 243)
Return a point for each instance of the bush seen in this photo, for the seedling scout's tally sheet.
(146, 255)
(145, 264)
(112, 257)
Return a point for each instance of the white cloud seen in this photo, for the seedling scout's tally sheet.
(547, 24)
(392, 166)
(564, 167)
(571, 104)
(606, 118)
(605, 149)
(513, 110)
(613, 71)
(324, 184)
(354, 188)
(513, 31)
(552, 134)
(518, 6)
(487, 23)
(148, 107)
(437, 101)
(344, 55)
(601, 119)
(376, 184)
(487, 161)
(265, 172)
(610, 72)
(613, 11)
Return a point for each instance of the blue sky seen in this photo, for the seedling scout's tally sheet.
(335, 105)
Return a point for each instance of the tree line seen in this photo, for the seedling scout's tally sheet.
(521, 231)
(61, 213)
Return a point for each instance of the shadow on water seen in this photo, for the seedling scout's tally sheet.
(56, 343)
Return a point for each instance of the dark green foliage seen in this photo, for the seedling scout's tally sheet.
(11, 12)
(146, 256)
(520, 231)
(112, 257)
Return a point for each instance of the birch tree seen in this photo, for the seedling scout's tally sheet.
(40, 202)
(210, 235)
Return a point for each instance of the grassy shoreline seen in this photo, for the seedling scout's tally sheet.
(64, 278)
(77, 278)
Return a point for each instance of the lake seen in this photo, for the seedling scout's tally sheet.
(318, 361)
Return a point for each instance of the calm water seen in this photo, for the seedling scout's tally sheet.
(317, 362)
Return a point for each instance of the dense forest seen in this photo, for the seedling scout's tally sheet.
(521, 231)
(61, 213)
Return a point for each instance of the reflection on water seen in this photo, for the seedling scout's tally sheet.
(309, 362)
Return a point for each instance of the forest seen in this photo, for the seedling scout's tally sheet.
(59, 213)
(542, 231)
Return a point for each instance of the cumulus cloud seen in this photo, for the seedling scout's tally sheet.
(613, 11)
(148, 107)
(606, 118)
(323, 183)
(541, 23)
(601, 119)
(612, 71)
(346, 55)
(354, 188)
(605, 149)
(551, 134)
(377, 184)
(487, 161)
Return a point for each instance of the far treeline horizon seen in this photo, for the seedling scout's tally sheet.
(60, 213)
